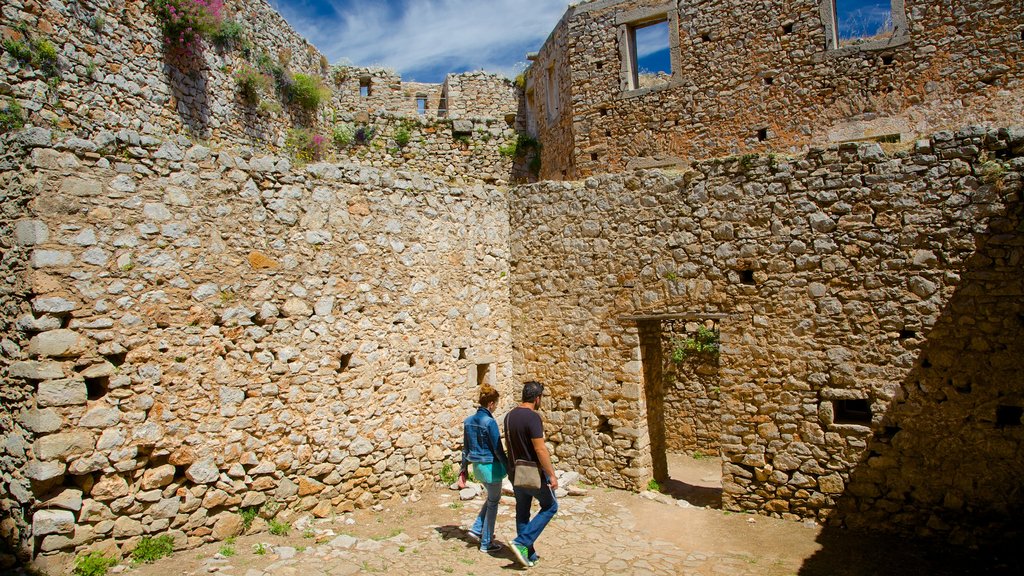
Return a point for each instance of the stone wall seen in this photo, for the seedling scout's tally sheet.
(469, 149)
(862, 299)
(759, 78)
(113, 75)
(209, 331)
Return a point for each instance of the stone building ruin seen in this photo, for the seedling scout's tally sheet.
(197, 323)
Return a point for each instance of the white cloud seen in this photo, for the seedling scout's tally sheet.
(418, 35)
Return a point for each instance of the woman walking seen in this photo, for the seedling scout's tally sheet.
(482, 447)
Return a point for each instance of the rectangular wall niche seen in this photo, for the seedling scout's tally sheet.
(851, 412)
(481, 373)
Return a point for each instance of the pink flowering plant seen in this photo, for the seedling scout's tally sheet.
(186, 24)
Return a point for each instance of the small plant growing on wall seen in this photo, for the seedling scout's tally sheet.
(251, 82)
(11, 116)
(363, 135)
(304, 145)
(93, 564)
(37, 52)
(403, 134)
(703, 344)
(152, 549)
(343, 135)
(230, 33)
(186, 24)
(308, 91)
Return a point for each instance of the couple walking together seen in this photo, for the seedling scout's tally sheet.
(524, 438)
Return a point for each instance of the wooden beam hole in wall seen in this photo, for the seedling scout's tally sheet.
(1007, 415)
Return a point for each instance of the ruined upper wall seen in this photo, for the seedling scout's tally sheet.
(112, 74)
(759, 77)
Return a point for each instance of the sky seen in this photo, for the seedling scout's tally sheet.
(423, 40)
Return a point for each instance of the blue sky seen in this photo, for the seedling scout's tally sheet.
(425, 39)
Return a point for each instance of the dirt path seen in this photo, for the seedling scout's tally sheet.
(603, 532)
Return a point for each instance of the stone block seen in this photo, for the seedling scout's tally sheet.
(226, 525)
(125, 527)
(53, 522)
(67, 499)
(63, 392)
(91, 463)
(51, 258)
(32, 370)
(43, 471)
(204, 471)
(157, 477)
(110, 488)
(101, 417)
(31, 232)
(64, 445)
(40, 421)
(58, 344)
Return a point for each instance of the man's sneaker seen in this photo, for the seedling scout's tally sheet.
(475, 537)
(494, 547)
(522, 554)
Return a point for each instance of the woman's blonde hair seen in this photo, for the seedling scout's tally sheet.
(488, 395)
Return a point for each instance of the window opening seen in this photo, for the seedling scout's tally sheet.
(364, 87)
(483, 374)
(421, 104)
(650, 56)
(551, 92)
(851, 412)
(1008, 416)
(861, 21)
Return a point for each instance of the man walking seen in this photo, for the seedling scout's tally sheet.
(524, 438)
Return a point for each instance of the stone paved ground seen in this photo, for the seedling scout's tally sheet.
(602, 532)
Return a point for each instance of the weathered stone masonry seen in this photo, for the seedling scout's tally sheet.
(210, 332)
(842, 282)
(190, 328)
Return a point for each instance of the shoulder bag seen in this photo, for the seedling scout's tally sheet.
(525, 473)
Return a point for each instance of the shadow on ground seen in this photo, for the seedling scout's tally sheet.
(848, 553)
(451, 532)
(703, 496)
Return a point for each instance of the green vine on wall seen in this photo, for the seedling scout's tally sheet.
(703, 344)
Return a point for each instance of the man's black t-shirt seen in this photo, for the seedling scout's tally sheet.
(522, 425)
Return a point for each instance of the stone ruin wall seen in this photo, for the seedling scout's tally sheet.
(744, 68)
(843, 275)
(133, 88)
(550, 79)
(196, 332)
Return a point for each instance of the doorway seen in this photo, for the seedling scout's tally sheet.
(682, 391)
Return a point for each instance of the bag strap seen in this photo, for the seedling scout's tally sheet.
(508, 439)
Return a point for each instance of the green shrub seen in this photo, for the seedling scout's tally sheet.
(308, 91)
(97, 22)
(18, 49)
(259, 549)
(11, 116)
(653, 485)
(364, 135)
(403, 134)
(250, 83)
(45, 53)
(152, 549)
(227, 550)
(93, 564)
(448, 474)
(703, 343)
(248, 515)
(228, 33)
(280, 528)
(343, 135)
